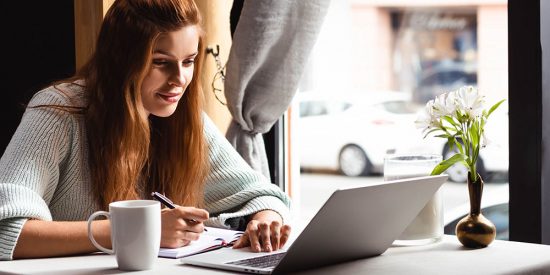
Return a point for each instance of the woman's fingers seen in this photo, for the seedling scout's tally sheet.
(192, 213)
(193, 226)
(253, 231)
(285, 234)
(174, 239)
(275, 230)
(182, 225)
(243, 241)
(264, 236)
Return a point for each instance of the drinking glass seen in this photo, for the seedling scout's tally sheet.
(427, 227)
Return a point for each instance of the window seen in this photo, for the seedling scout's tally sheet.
(386, 62)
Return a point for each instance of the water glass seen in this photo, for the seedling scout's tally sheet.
(428, 225)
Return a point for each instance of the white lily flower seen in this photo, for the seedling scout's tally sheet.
(426, 118)
(424, 121)
(453, 114)
(469, 101)
(445, 104)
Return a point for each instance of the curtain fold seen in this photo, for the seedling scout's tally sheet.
(271, 44)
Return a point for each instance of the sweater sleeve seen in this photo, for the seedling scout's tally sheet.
(233, 189)
(29, 168)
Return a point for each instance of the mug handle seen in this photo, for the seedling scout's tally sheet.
(91, 236)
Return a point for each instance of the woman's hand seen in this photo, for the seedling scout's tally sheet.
(265, 232)
(181, 225)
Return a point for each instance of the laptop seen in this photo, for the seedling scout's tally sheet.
(353, 223)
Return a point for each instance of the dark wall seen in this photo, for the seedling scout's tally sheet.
(545, 143)
(37, 48)
(529, 111)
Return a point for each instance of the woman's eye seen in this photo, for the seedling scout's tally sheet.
(160, 62)
(188, 62)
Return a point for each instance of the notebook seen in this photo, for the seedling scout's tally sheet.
(213, 238)
(353, 223)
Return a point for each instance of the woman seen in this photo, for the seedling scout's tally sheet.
(130, 122)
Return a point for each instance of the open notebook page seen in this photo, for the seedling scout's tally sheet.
(213, 238)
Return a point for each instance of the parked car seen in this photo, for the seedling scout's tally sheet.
(353, 132)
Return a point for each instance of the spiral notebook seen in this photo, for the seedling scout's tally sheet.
(211, 239)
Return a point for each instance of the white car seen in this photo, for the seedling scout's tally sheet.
(353, 132)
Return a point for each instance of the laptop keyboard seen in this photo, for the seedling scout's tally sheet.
(266, 261)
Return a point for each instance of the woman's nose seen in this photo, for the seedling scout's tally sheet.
(177, 77)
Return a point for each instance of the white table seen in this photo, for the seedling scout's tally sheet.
(445, 257)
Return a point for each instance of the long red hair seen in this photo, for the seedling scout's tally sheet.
(130, 155)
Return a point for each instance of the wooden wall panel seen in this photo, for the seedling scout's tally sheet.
(88, 15)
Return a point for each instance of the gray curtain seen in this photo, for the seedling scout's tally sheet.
(270, 48)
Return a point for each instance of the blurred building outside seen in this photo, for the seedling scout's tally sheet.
(420, 47)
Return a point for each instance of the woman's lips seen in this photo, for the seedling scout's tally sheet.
(170, 97)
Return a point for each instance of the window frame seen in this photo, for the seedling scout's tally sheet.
(275, 148)
(529, 93)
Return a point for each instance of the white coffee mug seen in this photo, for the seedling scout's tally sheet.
(135, 233)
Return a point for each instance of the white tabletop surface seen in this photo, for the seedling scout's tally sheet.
(445, 257)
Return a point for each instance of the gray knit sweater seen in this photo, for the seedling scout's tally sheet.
(44, 172)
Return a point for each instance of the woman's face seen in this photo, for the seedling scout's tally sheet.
(171, 71)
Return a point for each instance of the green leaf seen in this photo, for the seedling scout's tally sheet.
(444, 165)
(451, 121)
(449, 129)
(495, 107)
(431, 131)
(459, 146)
(451, 142)
(475, 155)
(474, 135)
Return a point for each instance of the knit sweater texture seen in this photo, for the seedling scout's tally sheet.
(44, 172)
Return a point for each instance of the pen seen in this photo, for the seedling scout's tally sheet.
(168, 203)
(164, 200)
